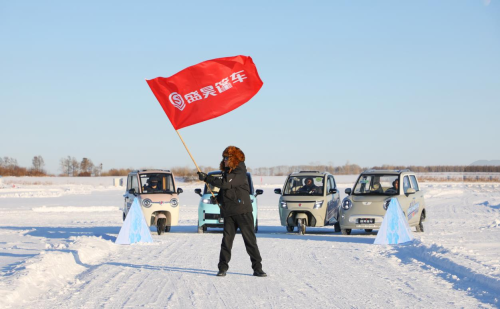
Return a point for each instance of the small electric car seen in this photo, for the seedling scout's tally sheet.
(209, 213)
(309, 198)
(157, 195)
(366, 205)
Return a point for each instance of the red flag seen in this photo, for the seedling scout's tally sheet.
(206, 90)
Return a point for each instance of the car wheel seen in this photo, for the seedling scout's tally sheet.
(337, 227)
(346, 231)
(368, 230)
(301, 226)
(420, 226)
(160, 225)
(289, 228)
(256, 229)
(201, 229)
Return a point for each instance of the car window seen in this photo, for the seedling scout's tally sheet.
(406, 183)
(135, 183)
(161, 183)
(304, 185)
(414, 182)
(129, 183)
(329, 185)
(377, 184)
(333, 181)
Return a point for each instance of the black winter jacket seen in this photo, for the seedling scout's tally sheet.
(234, 193)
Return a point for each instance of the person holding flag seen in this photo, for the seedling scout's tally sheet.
(202, 92)
(236, 209)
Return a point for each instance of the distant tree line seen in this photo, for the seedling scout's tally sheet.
(71, 167)
(9, 167)
(444, 168)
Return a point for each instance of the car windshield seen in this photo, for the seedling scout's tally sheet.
(304, 185)
(157, 183)
(215, 190)
(377, 185)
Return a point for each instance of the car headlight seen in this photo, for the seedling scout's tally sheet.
(283, 204)
(206, 201)
(318, 204)
(147, 203)
(346, 204)
(174, 202)
(386, 204)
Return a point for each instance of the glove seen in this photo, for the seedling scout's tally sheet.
(202, 176)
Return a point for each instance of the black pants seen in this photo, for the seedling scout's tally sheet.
(231, 224)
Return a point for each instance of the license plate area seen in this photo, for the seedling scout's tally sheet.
(366, 221)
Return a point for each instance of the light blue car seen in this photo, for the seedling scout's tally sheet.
(209, 214)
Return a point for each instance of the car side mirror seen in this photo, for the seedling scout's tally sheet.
(179, 190)
(277, 191)
(197, 191)
(348, 191)
(259, 192)
(333, 191)
(410, 191)
(131, 191)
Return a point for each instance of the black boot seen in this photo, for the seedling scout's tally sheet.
(259, 273)
(221, 273)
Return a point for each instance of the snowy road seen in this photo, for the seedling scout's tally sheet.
(68, 259)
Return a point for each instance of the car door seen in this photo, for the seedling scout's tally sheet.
(405, 199)
(333, 201)
(417, 202)
(132, 183)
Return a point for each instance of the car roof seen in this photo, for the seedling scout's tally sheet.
(149, 171)
(309, 173)
(386, 172)
(219, 172)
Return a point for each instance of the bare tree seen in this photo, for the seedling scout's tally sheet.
(38, 164)
(65, 165)
(75, 166)
(97, 170)
(86, 167)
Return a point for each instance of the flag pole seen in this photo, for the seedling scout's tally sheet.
(182, 140)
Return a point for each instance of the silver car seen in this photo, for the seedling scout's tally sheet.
(309, 198)
(366, 204)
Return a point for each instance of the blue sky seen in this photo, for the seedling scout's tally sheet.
(369, 82)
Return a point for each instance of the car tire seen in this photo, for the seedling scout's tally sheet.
(337, 227)
(289, 228)
(368, 230)
(420, 225)
(346, 231)
(160, 225)
(256, 229)
(301, 226)
(167, 228)
(201, 229)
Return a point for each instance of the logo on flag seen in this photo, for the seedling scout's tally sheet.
(206, 90)
(176, 100)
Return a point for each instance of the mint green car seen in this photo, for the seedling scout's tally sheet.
(209, 213)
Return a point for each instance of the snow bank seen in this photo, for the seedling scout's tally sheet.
(75, 209)
(52, 270)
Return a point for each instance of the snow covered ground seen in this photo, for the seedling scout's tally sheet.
(57, 250)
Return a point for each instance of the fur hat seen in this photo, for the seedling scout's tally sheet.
(235, 157)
